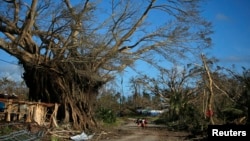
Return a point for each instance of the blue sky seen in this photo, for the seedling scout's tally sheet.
(231, 22)
(231, 38)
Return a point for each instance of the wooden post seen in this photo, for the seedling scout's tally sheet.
(29, 112)
(39, 114)
(9, 109)
(19, 112)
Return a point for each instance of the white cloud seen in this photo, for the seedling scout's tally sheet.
(239, 59)
(236, 61)
(12, 72)
(221, 17)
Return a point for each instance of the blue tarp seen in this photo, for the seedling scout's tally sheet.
(2, 106)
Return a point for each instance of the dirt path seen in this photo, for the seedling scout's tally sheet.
(130, 132)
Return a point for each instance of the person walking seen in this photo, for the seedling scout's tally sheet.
(143, 122)
(138, 122)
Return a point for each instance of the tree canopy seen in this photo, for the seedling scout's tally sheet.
(70, 48)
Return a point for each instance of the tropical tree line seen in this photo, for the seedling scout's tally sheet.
(192, 102)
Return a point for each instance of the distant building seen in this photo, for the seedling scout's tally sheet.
(156, 112)
(150, 112)
(8, 96)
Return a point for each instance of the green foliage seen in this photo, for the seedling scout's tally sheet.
(54, 138)
(5, 130)
(160, 120)
(106, 115)
(232, 111)
(230, 114)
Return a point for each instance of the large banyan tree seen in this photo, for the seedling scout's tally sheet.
(69, 49)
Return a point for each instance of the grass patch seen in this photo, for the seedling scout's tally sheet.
(5, 130)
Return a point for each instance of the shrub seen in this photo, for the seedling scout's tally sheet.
(106, 115)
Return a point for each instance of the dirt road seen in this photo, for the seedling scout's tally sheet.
(130, 132)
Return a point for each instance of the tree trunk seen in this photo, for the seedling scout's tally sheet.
(211, 92)
(75, 98)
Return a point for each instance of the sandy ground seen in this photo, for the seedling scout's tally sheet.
(131, 132)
